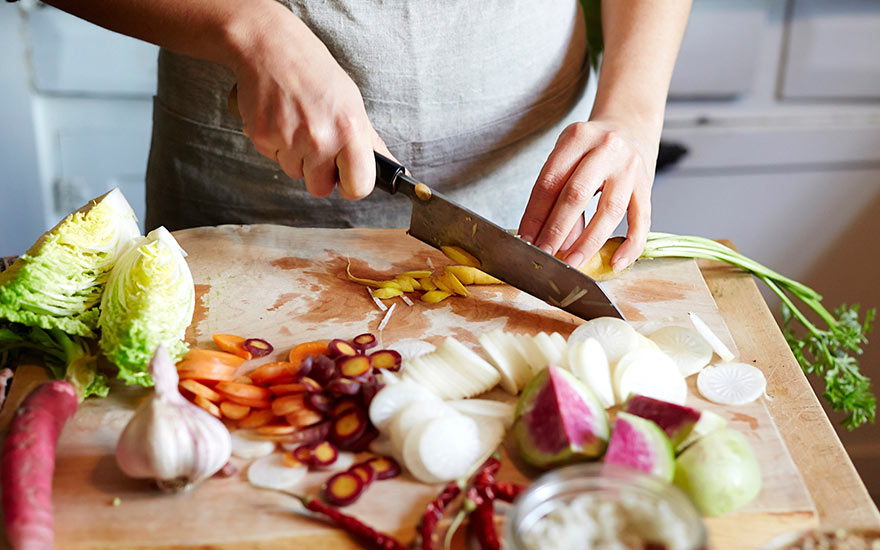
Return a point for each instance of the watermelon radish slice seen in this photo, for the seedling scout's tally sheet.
(642, 445)
(677, 421)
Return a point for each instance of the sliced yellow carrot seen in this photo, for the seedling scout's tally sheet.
(440, 284)
(403, 283)
(234, 411)
(389, 284)
(434, 296)
(427, 283)
(417, 274)
(361, 280)
(463, 273)
(207, 405)
(483, 278)
(231, 343)
(197, 354)
(460, 256)
(198, 388)
(452, 284)
(306, 349)
(383, 293)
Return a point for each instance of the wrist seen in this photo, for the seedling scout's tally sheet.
(248, 28)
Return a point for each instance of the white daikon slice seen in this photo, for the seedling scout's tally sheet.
(528, 349)
(411, 347)
(387, 377)
(270, 472)
(491, 433)
(429, 371)
(442, 449)
(243, 447)
(649, 372)
(475, 366)
(485, 408)
(723, 351)
(616, 336)
(731, 383)
(519, 360)
(344, 461)
(589, 363)
(501, 358)
(645, 342)
(411, 415)
(690, 351)
(561, 343)
(549, 350)
(391, 399)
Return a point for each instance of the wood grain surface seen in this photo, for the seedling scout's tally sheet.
(289, 285)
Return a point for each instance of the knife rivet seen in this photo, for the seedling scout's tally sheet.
(423, 191)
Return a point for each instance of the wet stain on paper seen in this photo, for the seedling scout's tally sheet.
(750, 420)
(281, 301)
(200, 312)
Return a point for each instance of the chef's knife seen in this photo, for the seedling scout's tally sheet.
(438, 221)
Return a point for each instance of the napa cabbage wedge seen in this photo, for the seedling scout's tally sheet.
(149, 299)
(58, 282)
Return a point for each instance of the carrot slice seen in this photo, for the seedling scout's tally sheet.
(288, 404)
(198, 388)
(256, 419)
(205, 371)
(306, 349)
(231, 343)
(284, 389)
(274, 373)
(234, 411)
(252, 403)
(244, 391)
(276, 429)
(303, 417)
(198, 354)
(207, 405)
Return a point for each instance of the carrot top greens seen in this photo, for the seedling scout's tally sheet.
(829, 349)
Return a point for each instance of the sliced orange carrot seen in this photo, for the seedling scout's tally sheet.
(200, 389)
(245, 391)
(234, 411)
(306, 349)
(198, 354)
(243, 380)
(278, 372)
(284, 389)
(207, 405)
(303, 417)
(276, 429)
(252, 403)
(287, 404)
(256, 419)
(231, 343)
(204, 371)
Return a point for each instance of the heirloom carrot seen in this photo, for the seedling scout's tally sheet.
(307, 349)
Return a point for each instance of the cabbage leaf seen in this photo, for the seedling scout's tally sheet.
(58, 283)
(149, 299)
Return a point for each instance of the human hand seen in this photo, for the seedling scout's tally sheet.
(600, 155)
(301, 109)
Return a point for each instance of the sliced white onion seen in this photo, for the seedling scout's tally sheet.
(690, 351)
(723, 351)
(270, 472)
(731, 383)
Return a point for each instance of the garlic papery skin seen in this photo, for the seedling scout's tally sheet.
(170, 440)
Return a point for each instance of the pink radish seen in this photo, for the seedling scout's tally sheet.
(29, 461)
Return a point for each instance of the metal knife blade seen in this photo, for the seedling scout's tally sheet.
(438, 221)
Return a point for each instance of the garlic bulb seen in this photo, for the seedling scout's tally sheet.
(169, 439)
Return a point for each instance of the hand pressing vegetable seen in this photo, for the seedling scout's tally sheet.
(829, 352)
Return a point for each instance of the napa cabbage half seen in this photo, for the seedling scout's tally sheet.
(58, 283)
(149, 300)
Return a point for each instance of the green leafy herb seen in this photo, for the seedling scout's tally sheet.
(830, 353)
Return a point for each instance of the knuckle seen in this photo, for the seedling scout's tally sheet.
(614, 141)
(551, 183)
(616, 206)
(576, 130)
(578, 193)
(555, 233)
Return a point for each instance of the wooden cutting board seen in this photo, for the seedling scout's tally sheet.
(289, 285)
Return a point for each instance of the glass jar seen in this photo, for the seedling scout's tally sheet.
(596, 500)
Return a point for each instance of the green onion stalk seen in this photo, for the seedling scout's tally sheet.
(829, 349)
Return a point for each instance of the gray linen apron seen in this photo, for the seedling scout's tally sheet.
(470, 96)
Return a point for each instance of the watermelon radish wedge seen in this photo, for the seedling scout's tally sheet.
(640, 444)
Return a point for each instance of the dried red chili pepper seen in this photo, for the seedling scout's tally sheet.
(434, 512)
(482, 522)
(506, 490)
(366, 535)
